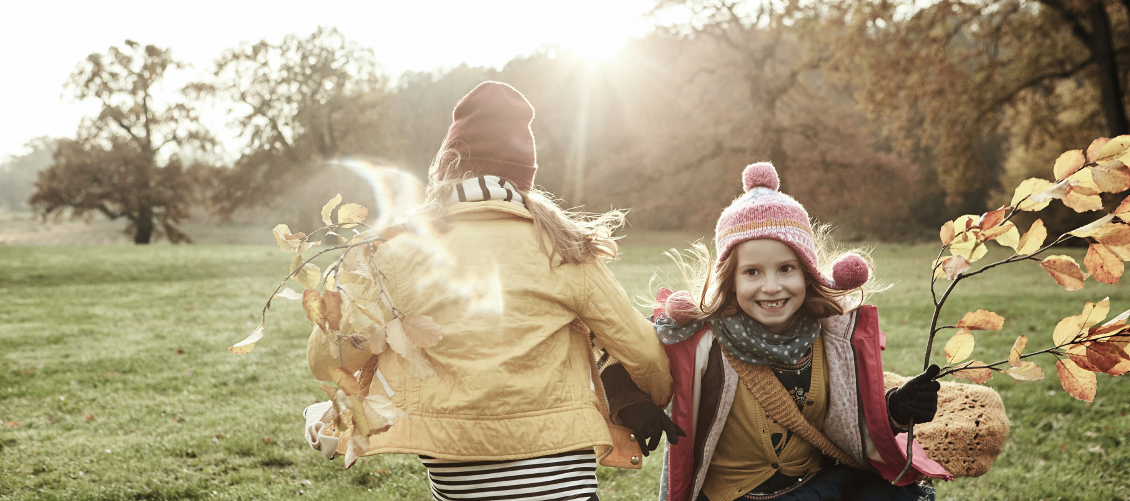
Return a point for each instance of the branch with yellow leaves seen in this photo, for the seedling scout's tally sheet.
(1081, 349)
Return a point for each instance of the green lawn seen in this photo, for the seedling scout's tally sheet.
(113, 362)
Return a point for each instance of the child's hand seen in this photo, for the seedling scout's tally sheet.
(917, 399)
(648, 423)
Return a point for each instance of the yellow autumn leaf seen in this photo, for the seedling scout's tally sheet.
(297, 261)
(979, 376)
(939, 266)
(1068, 163)
(1113, 148)
(287, 241)
(308, 276)
(1123, 210)
(350, 214)
(1092, 227)
(1033, 239)
(380, 413)
(1065, 271)
(1023, 197)
(328, 209)
(1004, 234)
(1103, 264)
(1017, 350)
(1083, 195)
(1027, 371)
(1095, 147)
(376, 334)
(345, 380)
(1111, 177)
(289, 293)
(960, 346)
(1078, 382)
(982, 320)
(968, 246)
(248, 344)
(422, 331)
(415, 361)
(1071, 328)
(1115, 236)
(947, 233)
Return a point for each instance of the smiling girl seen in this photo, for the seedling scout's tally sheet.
(777, 369)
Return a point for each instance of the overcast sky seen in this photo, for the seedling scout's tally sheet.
(41, 42)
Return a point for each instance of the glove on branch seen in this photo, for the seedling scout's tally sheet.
(917, 399)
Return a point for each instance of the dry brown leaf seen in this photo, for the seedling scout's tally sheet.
(982, 320)
(415, 360)
(248, 344)
(1111, 177)
(1103, 264)
(332, 303)
(422, 331)
(1106, 357)
(996, 232)
(956, 265)
(1068, 163)
(350, 214)
(1065, 271)
(1078, 382)
(1033, 239)
(978, 376)
(380, 413)
(992, 219)
(1112, 149)
(1017, 350)
(1027, 371)
(939, 266)
(345, 380)
(314, 306)
(947, 233)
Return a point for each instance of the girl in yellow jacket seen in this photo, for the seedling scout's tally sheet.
(511, 411)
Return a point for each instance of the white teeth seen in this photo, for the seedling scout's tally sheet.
(772, 304)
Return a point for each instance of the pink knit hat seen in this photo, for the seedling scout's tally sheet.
(764, 212)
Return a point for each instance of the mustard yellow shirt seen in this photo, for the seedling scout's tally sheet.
(745, 456)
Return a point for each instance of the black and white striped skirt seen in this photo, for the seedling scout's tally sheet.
(563, 476)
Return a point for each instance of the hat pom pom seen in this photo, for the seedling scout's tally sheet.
(680, 307)
(850, 272)
(760, 174)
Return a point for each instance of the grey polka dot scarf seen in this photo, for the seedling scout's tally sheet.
(749, 341)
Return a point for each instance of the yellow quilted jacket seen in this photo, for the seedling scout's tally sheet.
(512, 378)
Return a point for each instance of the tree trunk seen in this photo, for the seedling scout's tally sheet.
(144, 226)
(1102, 47)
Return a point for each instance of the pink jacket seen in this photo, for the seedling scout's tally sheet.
(702, 400)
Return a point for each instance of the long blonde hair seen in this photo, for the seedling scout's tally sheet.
(711, 287)
(573, 237)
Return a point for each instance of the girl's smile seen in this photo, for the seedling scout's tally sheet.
(769, 282)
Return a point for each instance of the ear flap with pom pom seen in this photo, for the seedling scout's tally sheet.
(850, 272)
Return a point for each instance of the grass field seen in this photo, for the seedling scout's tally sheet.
(113, 363)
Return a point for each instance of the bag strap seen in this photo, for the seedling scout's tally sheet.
(773, 396)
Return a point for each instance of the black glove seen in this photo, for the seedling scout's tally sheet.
(917, 399)
(648, 422)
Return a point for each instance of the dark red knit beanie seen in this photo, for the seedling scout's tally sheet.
(491, 132)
